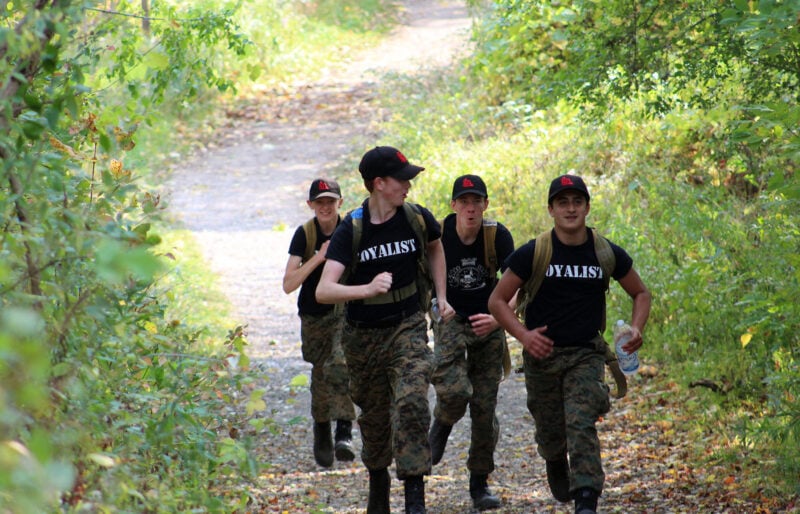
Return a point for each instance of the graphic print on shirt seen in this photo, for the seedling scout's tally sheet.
(469, 275)
(574, 271)
(388, 250)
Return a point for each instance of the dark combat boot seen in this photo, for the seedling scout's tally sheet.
(558, 479)
(482, 497)
(379, 483)
(415, 495)
(437, 439)
(586, 501)
(343, 440)
(323, 444)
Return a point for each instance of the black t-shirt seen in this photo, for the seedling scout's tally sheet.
(468, 282)
(571, 299)
(390, 246)
(306, 302)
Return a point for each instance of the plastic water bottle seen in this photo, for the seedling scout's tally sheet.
(437, 317)
(628, 363)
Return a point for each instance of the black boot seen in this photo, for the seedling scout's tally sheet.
(343, 440)
(482, 497)
(415, 495)
(586, 501)
(379, 483)
(558, 479)
(323, 444)
(437, 439)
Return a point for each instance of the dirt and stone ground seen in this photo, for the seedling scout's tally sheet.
(242, 198)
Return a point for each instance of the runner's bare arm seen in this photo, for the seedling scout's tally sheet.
(297, 272)
(534, 341)
(436, 260)
(633, 285)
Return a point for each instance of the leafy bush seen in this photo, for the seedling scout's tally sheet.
(709, 218)
(107, 402)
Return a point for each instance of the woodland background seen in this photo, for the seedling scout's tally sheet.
(120, 391)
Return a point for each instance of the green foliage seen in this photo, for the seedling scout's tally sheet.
(708, 214)
(737, 57)
(119, 390)
(107, 402)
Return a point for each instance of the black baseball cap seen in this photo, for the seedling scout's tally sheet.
(386, 161)
(323, 187)
(469, 184)
(565, 182)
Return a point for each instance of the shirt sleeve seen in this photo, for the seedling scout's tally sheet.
(623, 262)
(521, 260)
(298, 245)
(340, 248)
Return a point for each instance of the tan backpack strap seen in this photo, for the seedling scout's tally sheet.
(542, 252)
(424, 280)
(605, 255)
(489, 249)
(607, 260)
(310, 229)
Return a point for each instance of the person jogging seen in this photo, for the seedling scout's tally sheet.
(469, 349)
(564, 350)
(321, 326)
(383, 249)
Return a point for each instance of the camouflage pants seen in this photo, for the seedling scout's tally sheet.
(468, 373)
(566, 396)
(330, 382)
(390, 373)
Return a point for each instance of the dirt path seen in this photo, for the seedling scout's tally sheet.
(243, 198)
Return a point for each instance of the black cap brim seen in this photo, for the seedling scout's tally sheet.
(470, 191)
(576, 189)
(407, 173)
(326, 194)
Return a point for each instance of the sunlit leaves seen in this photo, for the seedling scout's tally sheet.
(299, 381)
(256, 402)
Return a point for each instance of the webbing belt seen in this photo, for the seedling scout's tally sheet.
(393, 296)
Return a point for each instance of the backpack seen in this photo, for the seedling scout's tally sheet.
(424, 281)
(542, 253)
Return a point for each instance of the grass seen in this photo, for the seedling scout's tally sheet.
(194, 294)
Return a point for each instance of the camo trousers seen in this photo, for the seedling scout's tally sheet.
(566, 396)
(468, 373)
(390, 373)
(330, 381)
